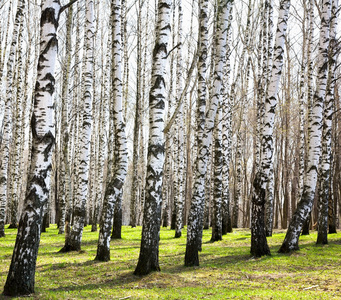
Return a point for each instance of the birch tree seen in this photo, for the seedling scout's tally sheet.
(305, 204)
(179, 197)
(326, 161)
(20, 279)
(73, 242)
(195, 218)
(114, 187)
(259, 246)
(6, 126)
(64, 171)
(149, 251)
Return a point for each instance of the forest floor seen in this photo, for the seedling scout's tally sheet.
(227, 271)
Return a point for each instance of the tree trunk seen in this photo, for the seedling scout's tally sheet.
(79, 209)
(195, 218)
(114, 187)
(259, 245)
(6, 127)
(217, 190)
(149, 251)
(304, 207)
(20, 279)
(179, 198)
(326, 160)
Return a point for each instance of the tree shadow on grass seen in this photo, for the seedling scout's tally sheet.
(117, 280)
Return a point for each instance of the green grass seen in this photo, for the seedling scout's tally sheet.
(226, 272)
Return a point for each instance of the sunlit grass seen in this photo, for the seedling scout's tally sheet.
(227, 270)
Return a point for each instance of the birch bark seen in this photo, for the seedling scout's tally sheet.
(195, 218)
(73, 243)
(20, 279)
(326, 159)
(114, 187)
(304, 206)
(149, 251)
(6, 126)
(259, 246)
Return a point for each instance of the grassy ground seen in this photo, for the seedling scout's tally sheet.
(226, 272)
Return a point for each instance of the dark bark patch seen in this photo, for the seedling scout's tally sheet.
(48, 16)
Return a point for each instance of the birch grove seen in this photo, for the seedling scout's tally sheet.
(202, 117)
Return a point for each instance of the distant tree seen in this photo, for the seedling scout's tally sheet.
(6, 127)
(73, 241)
(64, 196)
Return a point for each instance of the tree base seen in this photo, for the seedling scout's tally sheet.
(216, 239)
(177, 234)
(145, 266)
(94, 228)
(13, 289)
(12, 226)
(191, 256)
(102, 255)
(332, 229)
(114, 237)
(285, 248)
(69, 248)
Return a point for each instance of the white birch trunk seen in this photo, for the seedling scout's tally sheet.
(6, 126)
(149, 251)
(217, 186)
(304, 206)
(20, 279)
(179, 198)
(114, 187)
(326, 159)
(259, 246)
(79, 209)
(195, 218)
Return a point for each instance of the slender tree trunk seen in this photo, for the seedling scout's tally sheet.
(227, 140)
(304, 206)
(326, 159)
(259, 246)
(179, 198)
(137, 122)
(195, 219)
(20, 279)
(149, 251)
(114, 187)
(217, 191)
(64, 173)
(6, 127)
(79, 209)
